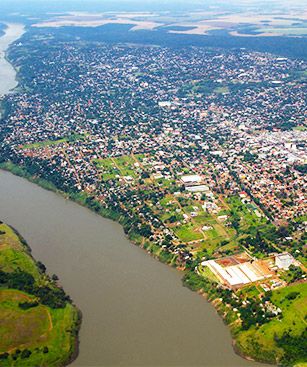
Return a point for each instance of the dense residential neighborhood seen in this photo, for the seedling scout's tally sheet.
(199, 153)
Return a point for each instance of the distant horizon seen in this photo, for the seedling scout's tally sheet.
(126, 5)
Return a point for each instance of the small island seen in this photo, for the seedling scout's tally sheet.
(38, 323)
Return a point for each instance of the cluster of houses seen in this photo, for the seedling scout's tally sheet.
(83, 105)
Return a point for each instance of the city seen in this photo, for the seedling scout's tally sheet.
(200, 155)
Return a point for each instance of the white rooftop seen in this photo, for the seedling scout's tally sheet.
(191, 178)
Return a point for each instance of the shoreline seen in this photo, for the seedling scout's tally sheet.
(43, 184)
(78, 322)
(14, 88)
(73, 352)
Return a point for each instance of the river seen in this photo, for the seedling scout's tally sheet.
(135, 310)
(7, 72)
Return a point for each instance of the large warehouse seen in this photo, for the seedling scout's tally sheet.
(239, 274)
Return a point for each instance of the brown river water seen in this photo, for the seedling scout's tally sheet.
(135, 310)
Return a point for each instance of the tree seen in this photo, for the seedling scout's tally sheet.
(55, 278)
(41, 266)
(45, 350)
(4, 356)
(25, 354)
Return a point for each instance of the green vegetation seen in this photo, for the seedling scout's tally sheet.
(246, 213)
(301, 168)
(254, 231)
(187, 233)
(293, 274)
(280, 339)
(207, 273)
(22, 172)
(190, 229)
(38, 323)
(207, 87)
(300, 128)
(119, 166)
(46, 143)
(108, 168)
(221, 90)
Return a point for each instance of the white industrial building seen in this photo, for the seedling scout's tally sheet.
(284, 260)
(198, 188)
(191, 179)
(238, 275)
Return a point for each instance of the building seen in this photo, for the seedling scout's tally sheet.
(236, 272)
(199, 188)
(191, 179)
(284, 260)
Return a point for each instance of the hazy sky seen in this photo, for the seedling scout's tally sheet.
(41, 6)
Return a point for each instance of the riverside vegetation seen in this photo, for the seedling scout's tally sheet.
(38, 323)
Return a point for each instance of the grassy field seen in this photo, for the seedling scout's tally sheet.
(294, 313)
(108, 169)
(38, 335)
(119, 166)
(191, 229)
(222, 90)
(187, 233)
(300, 128)
(17, 326)
(207, 273)
(246, 212)
(46, 143)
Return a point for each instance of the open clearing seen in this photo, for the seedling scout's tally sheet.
(122, 166)
(19, 328)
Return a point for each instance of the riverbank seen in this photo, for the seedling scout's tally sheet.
(41, 324)
(8, 73)
(107, 213)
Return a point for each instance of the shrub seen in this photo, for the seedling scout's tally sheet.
(28, 305)
(292, 295)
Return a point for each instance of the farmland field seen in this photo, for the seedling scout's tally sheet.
(31, 332)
